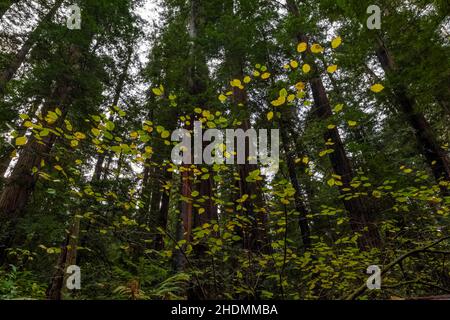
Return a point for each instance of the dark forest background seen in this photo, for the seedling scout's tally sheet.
(86, 176)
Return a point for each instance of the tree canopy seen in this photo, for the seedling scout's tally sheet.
(88, 123)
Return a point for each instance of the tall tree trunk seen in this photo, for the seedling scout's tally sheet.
(9, 72)
(186, 172)
(67, 257)
(155, 203)
(197, 85)
(107, 167)
(255, 235)
(5, 158)
(299, 151)
(206, 190)
(146, 194)
(299, 204)
(22, 180)
(435, 156)
(256, 238)
(117, 92)
(289, 137)
(162, 214)
(358, 208)
(186, 205)
(197, 79)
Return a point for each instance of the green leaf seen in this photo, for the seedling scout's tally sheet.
(165, 134)
(110, 125)
(21, 141)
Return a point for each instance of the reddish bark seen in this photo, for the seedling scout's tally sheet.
(256, 238)
(359, 209)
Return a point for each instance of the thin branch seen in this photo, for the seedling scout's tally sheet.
(363, 287)
(187, 260)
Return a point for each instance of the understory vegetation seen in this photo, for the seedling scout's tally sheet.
(86, 170)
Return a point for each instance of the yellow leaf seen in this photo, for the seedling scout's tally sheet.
(256, 73)
(134, 135)
(58, 167)
(336, 42)
(302, 47)
(95, 131)
(247, 79)
(376, 194)
(148, 149)
(21, 141)
(332, 68)
(331, 126)
(279, 101)
(68, 125)
(352, 123)
(243, 199)
(338, 108)
(300, 86)
(74, 143)
(44, 133)
(316, 48)
(198, 110)
(80, 135)
(331, 182)
(270, 115)
(306, 68)
(377, 88)
(265, 75)
(222, 98)
(291, 98)
(165, 134)
(157, 91)
(51, 117)
(294, 64)
(236, 83)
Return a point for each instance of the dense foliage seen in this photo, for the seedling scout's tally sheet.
(86, 121)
